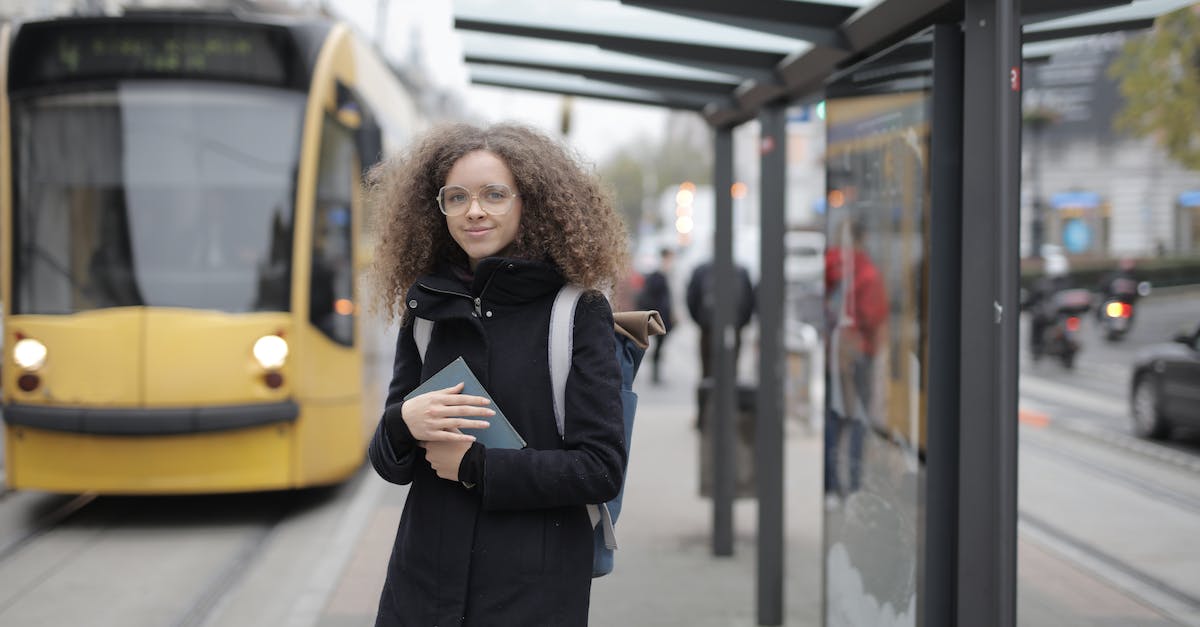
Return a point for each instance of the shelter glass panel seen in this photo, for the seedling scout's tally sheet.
(876, 326)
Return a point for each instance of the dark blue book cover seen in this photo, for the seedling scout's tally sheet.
(501, 434)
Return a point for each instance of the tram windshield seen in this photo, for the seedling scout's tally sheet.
(155, 193)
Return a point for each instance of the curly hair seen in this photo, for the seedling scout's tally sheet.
(567, 215)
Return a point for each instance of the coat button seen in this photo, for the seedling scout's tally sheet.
(512, 266)
(489, 314)
(412, 304)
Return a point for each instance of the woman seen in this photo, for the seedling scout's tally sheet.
(496, 536)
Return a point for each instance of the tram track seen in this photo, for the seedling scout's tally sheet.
(225, 579)
(1142, 485)
(1180, 605)
(210, 542)
(14, 543)
(1079, 528)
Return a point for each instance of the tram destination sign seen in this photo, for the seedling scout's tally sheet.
(48, 53)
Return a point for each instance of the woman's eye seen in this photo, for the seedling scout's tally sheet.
(457, 198)
(495, 195)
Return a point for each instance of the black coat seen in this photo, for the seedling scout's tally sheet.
(701, 295)
(656, 295)
(517, 548)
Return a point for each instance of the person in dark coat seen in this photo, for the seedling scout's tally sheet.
(496, 536)
(701, 299)
(656, 295)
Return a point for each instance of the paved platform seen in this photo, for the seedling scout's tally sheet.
(665, 572)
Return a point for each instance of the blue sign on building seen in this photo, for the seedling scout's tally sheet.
(1079, 200)
(1077, 236)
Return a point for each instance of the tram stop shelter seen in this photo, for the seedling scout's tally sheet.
(923, 93)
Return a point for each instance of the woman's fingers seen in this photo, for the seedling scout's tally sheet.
(442, 435)
(430, 415)
(454, 398)
(448, 411)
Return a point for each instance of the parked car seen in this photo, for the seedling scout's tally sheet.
(804, 259)
(1165, 386)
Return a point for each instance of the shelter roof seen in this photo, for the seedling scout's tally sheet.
(724, 59)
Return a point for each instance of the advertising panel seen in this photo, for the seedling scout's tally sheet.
(876, 324)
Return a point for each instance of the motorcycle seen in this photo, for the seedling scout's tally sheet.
(1060, 338)
(1115, 314)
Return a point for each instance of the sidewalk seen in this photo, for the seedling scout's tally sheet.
(666, 575)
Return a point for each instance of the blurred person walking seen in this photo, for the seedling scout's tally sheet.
(495, 536)
(656, 295)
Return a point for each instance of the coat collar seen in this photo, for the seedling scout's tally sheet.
(498, 281)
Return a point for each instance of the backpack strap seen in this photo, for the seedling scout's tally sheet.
(562, 322)
(422, 331)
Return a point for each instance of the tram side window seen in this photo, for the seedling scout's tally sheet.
(331, 286)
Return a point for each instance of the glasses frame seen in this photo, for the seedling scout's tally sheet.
(512, 198)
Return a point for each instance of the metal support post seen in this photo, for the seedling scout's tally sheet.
(768, 444)
(945, 324)
(987, 515)
(724, 368)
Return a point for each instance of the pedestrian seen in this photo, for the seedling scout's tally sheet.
(856, 303)
(496, 536)
(701, 297)
(656, 295)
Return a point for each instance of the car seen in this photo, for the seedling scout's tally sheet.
(805, 256)
(1165, 386)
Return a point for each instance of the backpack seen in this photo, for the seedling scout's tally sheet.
(631, 330)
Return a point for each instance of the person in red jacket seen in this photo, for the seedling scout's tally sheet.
(856, 313)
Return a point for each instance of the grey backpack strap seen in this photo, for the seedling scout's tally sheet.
(422, 331)
(562, 321)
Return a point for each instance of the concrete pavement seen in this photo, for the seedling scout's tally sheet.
(665, 572)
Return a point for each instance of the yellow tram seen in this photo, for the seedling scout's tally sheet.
(181, 229)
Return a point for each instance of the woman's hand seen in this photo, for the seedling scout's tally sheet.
(437, 416)
(445, 457)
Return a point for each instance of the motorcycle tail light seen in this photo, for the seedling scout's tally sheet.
(1126, 310)
(1072, 323)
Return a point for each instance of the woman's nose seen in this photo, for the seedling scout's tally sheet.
(475, 210)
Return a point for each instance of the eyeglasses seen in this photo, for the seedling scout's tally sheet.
(495, 198)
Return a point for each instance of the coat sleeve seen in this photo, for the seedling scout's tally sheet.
(392, 450)
(591, 465)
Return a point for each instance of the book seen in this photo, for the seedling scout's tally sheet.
(501, 433)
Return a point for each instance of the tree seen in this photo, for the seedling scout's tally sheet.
(1159, 77)
(642, 168)
(624, 174)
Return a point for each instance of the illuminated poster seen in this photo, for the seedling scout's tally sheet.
(878, 203)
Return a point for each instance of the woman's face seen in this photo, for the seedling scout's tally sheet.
(481, 234)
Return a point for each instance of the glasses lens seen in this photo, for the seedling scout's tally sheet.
(454, 200)
(495, 198)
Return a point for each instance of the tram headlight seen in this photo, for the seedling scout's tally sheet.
(29, 354)
(271, 351)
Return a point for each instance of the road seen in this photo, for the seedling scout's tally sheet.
(1095, 393)
(1121, 509)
